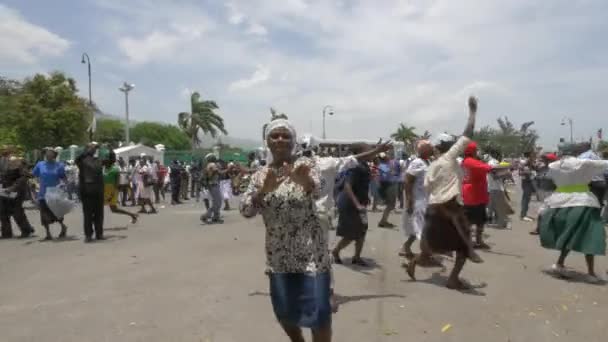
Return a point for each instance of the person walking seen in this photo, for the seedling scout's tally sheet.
(572, 219)
(71, 174)
(195, 184)
(111, 179)
(446, 228)
(475, 192)
(297, 255)
(499, 205)
(145, 184)
(416, 197)
(527, 173)
(91, 192)
(123, 182)
(389, 179)
(14, 190)
(159, 183)
(352, 207)
(175, 177)
(50, 173)
(212, 183)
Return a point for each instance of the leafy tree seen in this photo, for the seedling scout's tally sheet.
(426, 135)
(153, 133)
(202, 117)
(44, 111)
(506, 138)
(110, 131)
(406, 135)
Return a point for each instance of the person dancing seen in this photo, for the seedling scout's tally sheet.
(572, 219)
(297, 254)
(446, 226)
(416, 198)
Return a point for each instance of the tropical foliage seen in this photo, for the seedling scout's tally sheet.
(506, 138)
(202, 118)
(406, 135)
(44, 110)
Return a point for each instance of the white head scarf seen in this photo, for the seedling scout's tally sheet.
(281, 123)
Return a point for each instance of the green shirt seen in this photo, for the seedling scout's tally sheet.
(110, 175)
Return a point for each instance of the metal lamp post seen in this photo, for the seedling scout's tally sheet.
(325, 111)
(571, 129)
(126, 88)
(87, 60)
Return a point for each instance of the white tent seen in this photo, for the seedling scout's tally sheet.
(135, 151)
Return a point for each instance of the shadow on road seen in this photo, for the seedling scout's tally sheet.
(573, 276)
(55, 240)
(440, 280)
(348, 299)
(490, 251)
(371, 265)
(116, 228)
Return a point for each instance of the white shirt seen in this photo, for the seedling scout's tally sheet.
(494, 184)
(573, 171)
(418, 168)
(443, 180)
(330, 167)
(593, 156)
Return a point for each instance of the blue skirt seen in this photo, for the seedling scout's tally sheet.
(301, 299)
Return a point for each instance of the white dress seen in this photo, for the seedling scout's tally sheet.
(144, 192)
(413, 225)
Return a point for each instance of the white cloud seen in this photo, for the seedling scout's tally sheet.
(260, 75)
(257, 29)
(235, 17)
(25, 43)
(378, 62)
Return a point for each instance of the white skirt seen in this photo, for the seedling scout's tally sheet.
(413, 225)
(226, 188)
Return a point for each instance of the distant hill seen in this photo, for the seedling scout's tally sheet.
(207, 141)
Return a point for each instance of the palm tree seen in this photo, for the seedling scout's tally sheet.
(426, 135)
(201, 118)
(406, 135)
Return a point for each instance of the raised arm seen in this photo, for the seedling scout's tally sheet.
(470, 127)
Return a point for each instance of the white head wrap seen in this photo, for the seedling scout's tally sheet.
(281, 123)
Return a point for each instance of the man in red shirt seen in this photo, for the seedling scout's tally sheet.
(475, 191)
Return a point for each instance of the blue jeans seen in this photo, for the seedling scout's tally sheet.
(216, 203)
(526, 196)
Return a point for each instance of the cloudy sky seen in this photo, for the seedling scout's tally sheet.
(378, 63)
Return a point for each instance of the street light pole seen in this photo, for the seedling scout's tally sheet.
(331, 112)
(571, 127)
(126, 88)
(87, 60)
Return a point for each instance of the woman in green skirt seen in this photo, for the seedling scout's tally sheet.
(572, 219)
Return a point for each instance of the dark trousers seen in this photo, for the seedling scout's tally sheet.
(195, 189)
(13, 208)
(526, 196)
(92, 209)
(175, 191)
(400, 195)
(123, 190)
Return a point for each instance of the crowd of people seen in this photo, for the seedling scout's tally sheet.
(97, 181)
(449, 192)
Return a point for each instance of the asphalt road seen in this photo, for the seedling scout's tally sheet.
(169, 278)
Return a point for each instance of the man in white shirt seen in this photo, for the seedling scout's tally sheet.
(446, 227)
